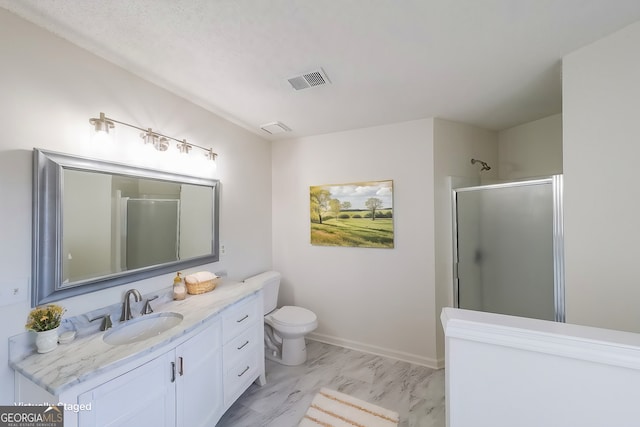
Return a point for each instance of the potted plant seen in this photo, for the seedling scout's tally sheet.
(45, 321)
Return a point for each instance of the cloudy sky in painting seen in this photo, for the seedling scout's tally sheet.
(359, 192)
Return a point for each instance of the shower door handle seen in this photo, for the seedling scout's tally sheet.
(478, 256)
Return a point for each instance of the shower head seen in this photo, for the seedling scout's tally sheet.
(485, 166)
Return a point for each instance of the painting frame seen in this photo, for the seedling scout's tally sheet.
(355, 214)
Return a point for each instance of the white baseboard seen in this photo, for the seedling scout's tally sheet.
(378, 351)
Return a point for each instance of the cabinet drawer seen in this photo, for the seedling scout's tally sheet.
(244, 344)
(238, 318)
(240, 376)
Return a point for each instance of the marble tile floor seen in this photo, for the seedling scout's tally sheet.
(415, 392)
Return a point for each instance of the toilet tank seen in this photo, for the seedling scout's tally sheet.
(271, 285)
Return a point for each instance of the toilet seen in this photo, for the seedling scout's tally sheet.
(285, 327)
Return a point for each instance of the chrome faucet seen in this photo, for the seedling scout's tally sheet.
(126, 305)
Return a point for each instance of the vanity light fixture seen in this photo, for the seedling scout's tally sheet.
(184, 147)
(102, 124)
(155, 139)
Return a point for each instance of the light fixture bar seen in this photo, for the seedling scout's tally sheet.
(159, 140)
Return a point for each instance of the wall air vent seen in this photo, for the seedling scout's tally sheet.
(312, 78)
(275, 127)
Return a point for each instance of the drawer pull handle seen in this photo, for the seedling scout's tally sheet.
(246, 316)
(243, 345)
(243, 372)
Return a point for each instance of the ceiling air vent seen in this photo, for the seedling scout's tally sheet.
(309, 79)
(275, 127)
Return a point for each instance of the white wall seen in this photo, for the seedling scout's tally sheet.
(601, 103)
(313, 276)
(531, 150)
(377, 300)
(49, 89)
(455, 144)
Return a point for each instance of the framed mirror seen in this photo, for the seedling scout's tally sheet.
(98, 224)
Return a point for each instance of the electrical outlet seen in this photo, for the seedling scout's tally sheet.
(223, 250)
(13, 292)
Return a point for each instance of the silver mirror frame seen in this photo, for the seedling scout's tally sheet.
(46, 262)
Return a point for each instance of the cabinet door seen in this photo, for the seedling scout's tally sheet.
(199, 379)
(143, 397)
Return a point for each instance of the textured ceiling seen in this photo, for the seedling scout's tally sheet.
(490, 63)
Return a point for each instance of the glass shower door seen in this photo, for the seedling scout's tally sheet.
(151, 232)
(508, 252)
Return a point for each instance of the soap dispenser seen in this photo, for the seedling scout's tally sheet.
(179, 289)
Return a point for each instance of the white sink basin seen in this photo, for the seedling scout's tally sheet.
(142, 328)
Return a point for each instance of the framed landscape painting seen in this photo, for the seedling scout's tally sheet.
(358, 214)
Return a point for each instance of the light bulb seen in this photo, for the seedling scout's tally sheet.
(101, 137)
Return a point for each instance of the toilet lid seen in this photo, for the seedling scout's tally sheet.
(291, 316)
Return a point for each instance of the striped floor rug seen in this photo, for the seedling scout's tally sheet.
(332, 409)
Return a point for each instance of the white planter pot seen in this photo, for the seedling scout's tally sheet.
(47, 341)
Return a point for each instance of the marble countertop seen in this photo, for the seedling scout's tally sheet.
(89, 356)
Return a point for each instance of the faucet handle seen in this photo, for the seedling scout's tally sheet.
(147, 307)
(106, 321)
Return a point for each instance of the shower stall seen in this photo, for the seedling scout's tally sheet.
(508, 248)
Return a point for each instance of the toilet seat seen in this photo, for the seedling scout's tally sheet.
(293, 316)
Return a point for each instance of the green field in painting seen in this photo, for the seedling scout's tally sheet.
(362, 232)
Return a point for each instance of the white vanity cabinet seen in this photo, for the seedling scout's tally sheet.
(185, 379)
(180, 388)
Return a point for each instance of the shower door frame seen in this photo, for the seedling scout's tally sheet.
(556, 182)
